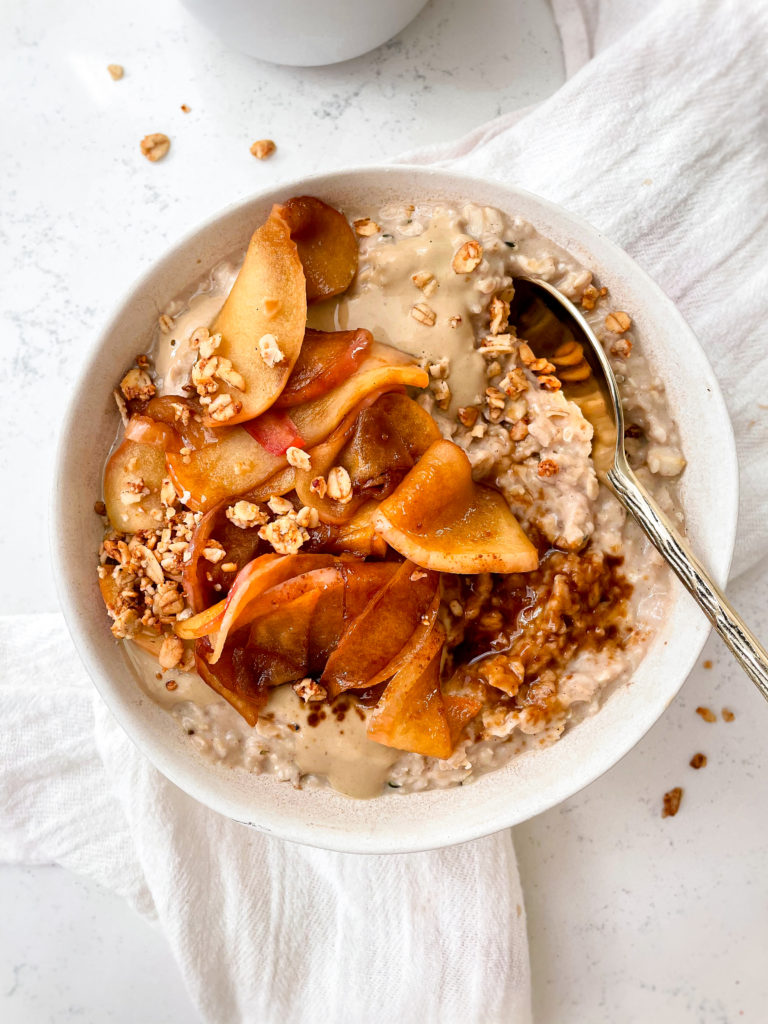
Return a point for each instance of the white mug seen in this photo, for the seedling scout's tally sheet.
(305, 32)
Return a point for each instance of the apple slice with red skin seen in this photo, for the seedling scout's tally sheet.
(275, 431)
(441, 519)
(376, 636)
(134, 465)
(326, 359)
(267, 298)
(411, 713)
(326, 245)
(237, 463)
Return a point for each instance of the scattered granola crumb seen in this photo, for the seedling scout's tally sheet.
(319, 486)
(442, 394)
(454, 321)
(99, 508)
(589, 298)
(424, 314)
(728, 715)
(279, 505)
(308, 517)
(116, 71)
(672, 802)
(223, 408)
(245, 514)
(298, 458)
(618, 322)
(284, 534)
(707, 663)
(456, 609)
(155, 146)
(165, 323)
(417, 575)
(548, 467)
(171, 684)
(499, 315)
(622, 348)
(339, 485)
(549, 383)
(365, 227)
(214, 552)
(309, 690)
(229, 567)
(269, 350)
(262, 149)
(707, 714)
(467, 258)
(171, 652)
(137, 384)
(698, 761)
(185, 109)
(467, 415)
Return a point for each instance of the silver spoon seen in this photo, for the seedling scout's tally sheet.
(549, 322)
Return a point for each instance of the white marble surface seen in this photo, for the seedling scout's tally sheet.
(631, 918)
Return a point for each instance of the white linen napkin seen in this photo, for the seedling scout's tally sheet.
(660, 140)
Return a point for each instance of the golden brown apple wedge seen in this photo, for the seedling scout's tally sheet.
(326, 243)
(237, 463)
(268, 298)
(132, 481)
(411, 713)
(460, 710)
(441, 519)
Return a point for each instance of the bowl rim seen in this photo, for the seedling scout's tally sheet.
(308, 832)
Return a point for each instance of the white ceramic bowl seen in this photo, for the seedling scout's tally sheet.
(526, 785)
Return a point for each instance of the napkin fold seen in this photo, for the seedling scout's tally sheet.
(660, 139)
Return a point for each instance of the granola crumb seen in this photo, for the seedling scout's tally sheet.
(424, 314)
(467, 415)
(269, 350)
(137, 384)
(728, 715)
(339, 485)
(223, 408)
(308, 517)
(707, 663)
(165, 324)
(279, 505)
(309, 690)
(319, 486)
(590, 297)
(442, 394)
(698, 761)
(171, 652)
(245, 514)
(99, 508)
(285, 535)
(548, 468)
(707, 714)
(116, 71)
(171, 685)
(457, 609)
(214, 552)
(672, 802)
(417, 575)
(298, 458)
(467, 258)
(185, 109)
(262, 149)
(549, 383)
(229, 567)
(454, 321)
(618, 322)
(499, 314)
(365, 227)
(155, 146)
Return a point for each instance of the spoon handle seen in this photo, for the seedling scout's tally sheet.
(737, 636)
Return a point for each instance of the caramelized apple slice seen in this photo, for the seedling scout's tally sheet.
(441, 519)
(326, 243)
(358, 536)
(411, 713)
(275, 431)
(232, 678)
(389, 438)
(376, 636)
(257, 578)
(326, 359)
(268, 298)
(132, 481)
(279, 642)
(237, 463)
(421, 635)
(460, 710)
(145, 430)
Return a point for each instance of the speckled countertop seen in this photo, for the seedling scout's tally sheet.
(632, 918)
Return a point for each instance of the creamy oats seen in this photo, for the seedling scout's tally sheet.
(434, 282)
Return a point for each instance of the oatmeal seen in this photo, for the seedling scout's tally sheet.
(403, 584)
